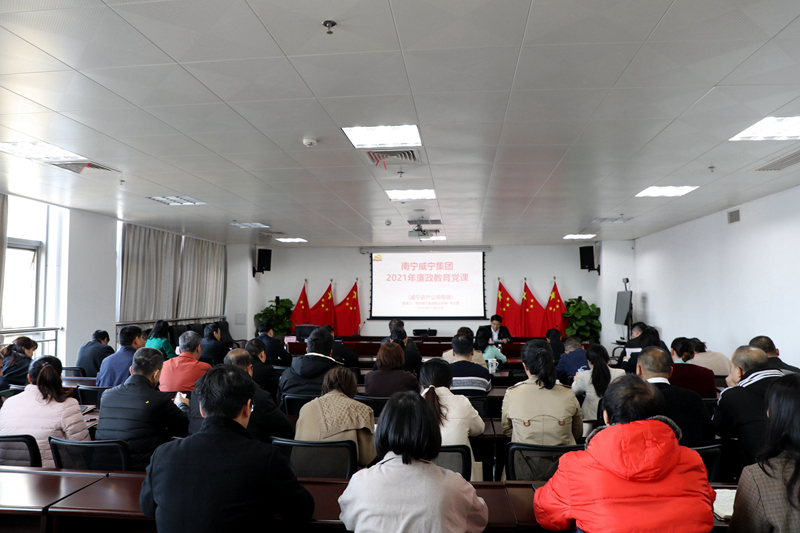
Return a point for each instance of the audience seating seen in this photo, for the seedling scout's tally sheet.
(197, 328)
(711, 404)
(175, 333)
(292, 403)
(712, 456)
(377, 404)
(322, 459)
(90, 395)
(357, 371)
(720, 382)
(481, 404)
(456, 458)
(102, 455)
(279, 369)
(35, 457)
(515, 376)
(73, 371)
(541, 460)
(225, 334)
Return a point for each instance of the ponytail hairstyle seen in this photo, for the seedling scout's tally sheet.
(435, 373)
(538, 358)
(45, 373)
(698, 345)
(601, 375)
(16, 350)
(683, 348)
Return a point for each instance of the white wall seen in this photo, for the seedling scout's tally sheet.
(617, 261)
(290, 266)
(725, 283)
(91, 280)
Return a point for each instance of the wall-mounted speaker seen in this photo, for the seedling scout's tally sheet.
(587, 259)
(263, 261)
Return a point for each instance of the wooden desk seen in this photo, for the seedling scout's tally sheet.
(326, 502)
(73, 381)
(501, 515)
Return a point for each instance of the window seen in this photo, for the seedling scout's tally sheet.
(20, 286)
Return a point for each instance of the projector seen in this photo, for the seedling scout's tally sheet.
(422, 233)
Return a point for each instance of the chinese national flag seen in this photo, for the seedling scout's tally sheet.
(533, 318)
(300, 312)
(510, 311)
(348, 314)
(555, 308)
(322, 312)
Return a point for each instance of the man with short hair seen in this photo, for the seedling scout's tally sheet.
(765, 343)
(276, 353)
(180, 373)
(221, 478)
(636, 330)
(682, 406)
(342, 353)
(305, 375)
(469, 379)
(572, 361)
(263, 372)
(138, 413)
(115, 368)
(393, 325)
(633, 475)
(266, 420)
(91, 354)
(214, 350)
(477, 357)
(740, 411)
(500, 334)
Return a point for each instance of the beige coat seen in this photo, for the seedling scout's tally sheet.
(715, 361)
(461, 422)
(477, 357)
(337, 417)
(28, 414)
(535, 415)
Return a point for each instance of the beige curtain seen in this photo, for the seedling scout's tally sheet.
(3, 242)
(150, 270)
(202, 287)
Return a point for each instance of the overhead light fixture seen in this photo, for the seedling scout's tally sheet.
(579, 236)
(40, 151)
(177, 200)
(666, 191)
(290, 239)
(249, 225)
(411, 194)
(771, 129)
(384, 136)
(434, 238)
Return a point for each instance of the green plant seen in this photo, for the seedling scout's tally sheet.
(583, 320)
(278, 315)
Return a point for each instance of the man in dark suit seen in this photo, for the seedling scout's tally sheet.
(342, 353)
(276, 353)
(263, 374)
(765, 343)
(221, 478)
(572, 361)
(91, 354)
(393, 325)
(683, 406)
(500, 334)
(413, 360)
(214, 351)
(636, 330)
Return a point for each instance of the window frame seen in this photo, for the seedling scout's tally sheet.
(38, 248)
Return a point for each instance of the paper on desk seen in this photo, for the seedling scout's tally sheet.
(723, 505)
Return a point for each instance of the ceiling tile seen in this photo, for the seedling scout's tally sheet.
(272, 78)
(554, 105)
(201, 118)
(468, 69)
(284, 114)
(361, 74)
(153, 85)
(459, 108)
(396, 109)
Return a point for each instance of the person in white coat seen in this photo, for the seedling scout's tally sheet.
(593, 383)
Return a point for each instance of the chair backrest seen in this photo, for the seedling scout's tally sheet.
(20, 442)
(711, 404)
(291, 403)
(711, 456)
(481, 404)
(105, 455)
(73, 371)
(90, 395)
(357, 371)
(532, 462)
(198, 328)
(377, 404)
(17, 387)
(175, 333)
(515, 376)
(455, 458)
(326, 459)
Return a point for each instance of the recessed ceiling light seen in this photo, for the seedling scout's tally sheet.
(290, 239)
(40, 151)
(412, 194)
(579, 236)
(249, 225)
(383, 136)
(666, 191)
(177, 200)
(771, 129)
(434, 238)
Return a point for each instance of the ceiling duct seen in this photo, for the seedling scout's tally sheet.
(389, 157)
(425, 221)
(79, 166)
(783, 162)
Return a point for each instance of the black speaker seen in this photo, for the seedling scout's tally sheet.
(263, 261)
(587, 257)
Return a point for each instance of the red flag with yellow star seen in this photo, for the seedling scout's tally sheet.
(348, 314)
(510, 311)
(322, 312)
(533, 318)
(555, 308)
(300, 312)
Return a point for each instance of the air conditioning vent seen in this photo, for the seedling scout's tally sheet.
(733, 216)
(78, 167)
(426, 222)
(783, 162)
(613, 220)
(393, 156)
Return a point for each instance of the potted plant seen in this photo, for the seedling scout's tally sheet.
(278, 313)
(583, 320)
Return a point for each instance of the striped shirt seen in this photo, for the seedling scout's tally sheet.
(470, 379)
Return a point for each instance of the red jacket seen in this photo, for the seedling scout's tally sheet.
(632, 477)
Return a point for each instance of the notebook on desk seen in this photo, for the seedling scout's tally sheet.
(723, 505)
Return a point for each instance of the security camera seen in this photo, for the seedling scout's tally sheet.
(310, 143)
(388, 222)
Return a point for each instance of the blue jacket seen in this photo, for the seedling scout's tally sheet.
(570, 363)
(116, 368)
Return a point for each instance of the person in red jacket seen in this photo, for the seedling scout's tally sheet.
(633, 475)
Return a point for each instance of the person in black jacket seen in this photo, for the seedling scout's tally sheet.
(264, 374)
(276, 353)
(342, 353)
(266, 420)
(305, 375)
(221, 478)
(214, 351)
(500, 334)
(138, 413)
(91, 354)
(413, 359)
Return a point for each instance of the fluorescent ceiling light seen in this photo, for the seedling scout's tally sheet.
(666, 191)
(771, 129)
(383, 136)
(177, 200)
(434, 238)
(579, 236)
(40, 151)
(412, 194)
(249, 225)
(290, 239)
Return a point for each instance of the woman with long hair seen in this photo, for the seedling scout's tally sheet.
(594, 382)
(458, 419)
(43, 409)
(404, 491)
(768, 495)
(17, 356)
(159, 339)
(688, 375)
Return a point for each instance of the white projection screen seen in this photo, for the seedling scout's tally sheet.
(427, 285)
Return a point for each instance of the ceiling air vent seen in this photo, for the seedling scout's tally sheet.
(425, 221)
(783, 162)
(613, 220)
(393, 156)
(733, 216)
(78, 166)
